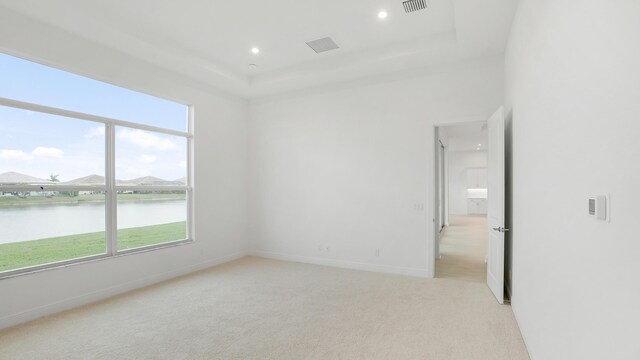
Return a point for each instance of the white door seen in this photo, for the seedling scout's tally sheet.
(496, 202)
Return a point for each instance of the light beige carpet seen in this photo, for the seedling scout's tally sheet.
(463, 248)
(256, 308)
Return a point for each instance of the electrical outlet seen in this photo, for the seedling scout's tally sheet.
(418, 207)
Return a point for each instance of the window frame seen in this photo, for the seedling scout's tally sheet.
(110, 188)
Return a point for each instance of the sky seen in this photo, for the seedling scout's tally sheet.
(40, 144)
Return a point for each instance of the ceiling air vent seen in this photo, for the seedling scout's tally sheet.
(322, 45)
(414, 5)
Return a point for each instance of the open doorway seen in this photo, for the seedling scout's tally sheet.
(461, 193)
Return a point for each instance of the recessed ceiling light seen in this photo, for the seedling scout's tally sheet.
(253, 66)
(382, 14)
(255, 50)
(479, 145)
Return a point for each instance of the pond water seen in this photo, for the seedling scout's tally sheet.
(23, 223)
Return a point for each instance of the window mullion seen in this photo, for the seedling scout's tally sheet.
(190, 177)
(111, 195)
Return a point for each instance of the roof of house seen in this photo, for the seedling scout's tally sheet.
(17, 178)
(12, 177)
(87, 180)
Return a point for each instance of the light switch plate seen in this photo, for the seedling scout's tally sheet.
(599, 207)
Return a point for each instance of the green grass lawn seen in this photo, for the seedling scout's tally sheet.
(43, 251)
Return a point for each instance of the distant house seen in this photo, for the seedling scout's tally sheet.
(144, 181)
(86, 180)
(148, 181)
(14, 178)
(91, 180)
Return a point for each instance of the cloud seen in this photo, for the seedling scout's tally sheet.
(40, 151)
(47, 152)
(96, 132)
(146, 140)
(147, 159)
(182, 164)
(14, 155)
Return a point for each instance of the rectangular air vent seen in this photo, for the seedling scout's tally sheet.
(414, 5)
(322, 45)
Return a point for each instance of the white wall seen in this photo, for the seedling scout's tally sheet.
(336, 174)
(459, 162)
(573, 88)
(220, 179)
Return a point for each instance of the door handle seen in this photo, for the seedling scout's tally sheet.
(500, 229)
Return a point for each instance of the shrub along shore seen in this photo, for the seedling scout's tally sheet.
(59, 199)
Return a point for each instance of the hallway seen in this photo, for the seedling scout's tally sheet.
(463, 248)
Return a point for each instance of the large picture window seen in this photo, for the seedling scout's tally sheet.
(88, 170)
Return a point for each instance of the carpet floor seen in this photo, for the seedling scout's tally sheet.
(256, 308)
(463, 249)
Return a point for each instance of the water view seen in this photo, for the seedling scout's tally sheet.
(23, 223)
(44, 229)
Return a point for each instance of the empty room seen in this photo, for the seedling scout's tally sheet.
(389, 179)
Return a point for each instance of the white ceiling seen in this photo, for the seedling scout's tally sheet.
(465, 137)
(210, 40)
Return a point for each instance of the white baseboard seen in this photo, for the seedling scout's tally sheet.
(424, 273)
(73, 302)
